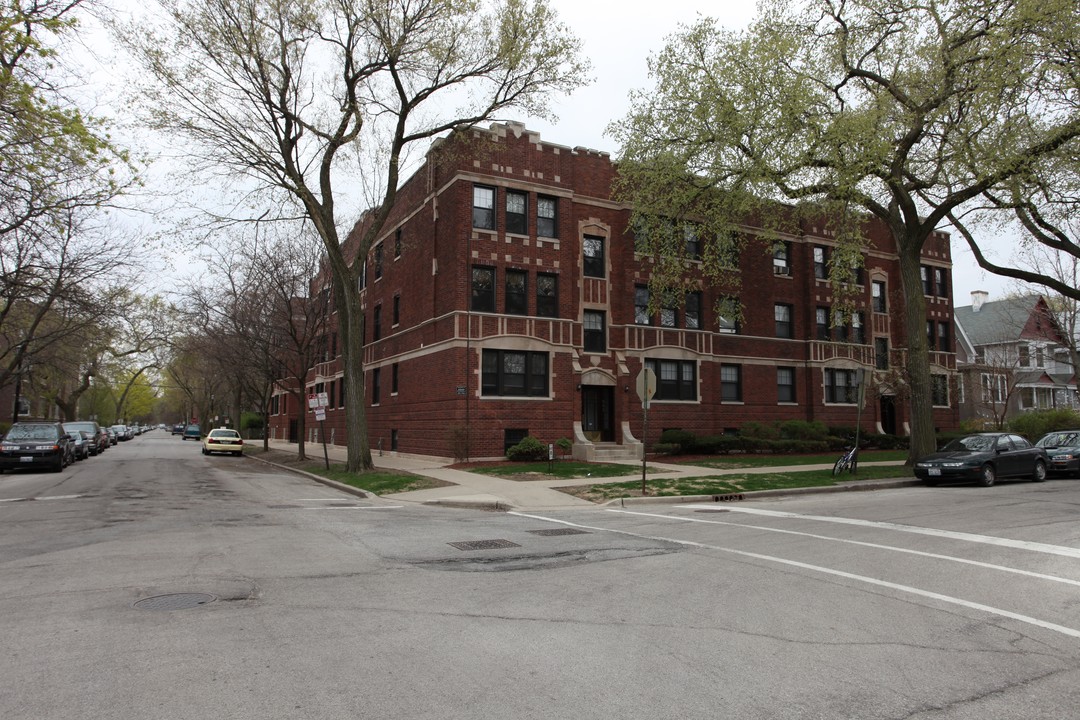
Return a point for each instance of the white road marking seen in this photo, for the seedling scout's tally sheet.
(372, 507)
(44, 497)
(950, 534)
(830, 571)
(876, 546)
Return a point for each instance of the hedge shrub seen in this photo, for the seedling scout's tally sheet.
(1033, 425)
(528, 450)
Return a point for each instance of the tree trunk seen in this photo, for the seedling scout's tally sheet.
(351, 327)
(923, 436)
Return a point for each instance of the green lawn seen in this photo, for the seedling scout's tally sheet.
(734, 462)
(560, 470)
(731, 484)
(379, 482)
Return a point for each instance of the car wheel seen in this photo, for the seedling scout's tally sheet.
(205, 451)
(238, 454)
(1040, 471)
(988, 476)
(59, 465)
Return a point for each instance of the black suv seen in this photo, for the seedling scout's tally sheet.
(36, 444)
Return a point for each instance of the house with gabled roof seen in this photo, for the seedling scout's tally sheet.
(1012, 357)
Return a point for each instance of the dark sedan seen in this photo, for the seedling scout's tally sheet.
(1063, 447)
(40, 444)
(984, 458)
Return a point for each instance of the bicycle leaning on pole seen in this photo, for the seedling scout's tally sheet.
(849, 461)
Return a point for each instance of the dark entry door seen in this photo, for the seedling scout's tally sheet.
(597, 414)
(294, 431)
(888, 414)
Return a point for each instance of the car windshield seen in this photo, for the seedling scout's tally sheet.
(973, 443)
(1060, 439)
(32, 432)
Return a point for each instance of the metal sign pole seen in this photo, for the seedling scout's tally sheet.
(644, 443)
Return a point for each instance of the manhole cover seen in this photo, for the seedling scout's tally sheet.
(175, 601)
(483, 544)
(553, 532)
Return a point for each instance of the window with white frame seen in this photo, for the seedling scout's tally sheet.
(993, 386)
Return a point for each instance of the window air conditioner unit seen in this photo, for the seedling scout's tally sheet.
(781, 270)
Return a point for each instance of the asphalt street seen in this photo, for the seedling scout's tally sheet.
(156, 582)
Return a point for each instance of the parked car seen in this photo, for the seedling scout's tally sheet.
(1063, 448)
(80, 444)
(178, 429)
(113, 437)
(36, 444)
(102, 440)
(983, 458)
(223, 440)
(192, 431)
(91, 428)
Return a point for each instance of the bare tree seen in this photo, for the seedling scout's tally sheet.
(295, 97)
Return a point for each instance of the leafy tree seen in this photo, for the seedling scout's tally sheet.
(295, 97)
(908, 112)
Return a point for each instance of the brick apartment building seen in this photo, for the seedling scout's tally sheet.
(506, 298)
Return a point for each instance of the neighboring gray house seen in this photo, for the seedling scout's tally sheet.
(1010, 358)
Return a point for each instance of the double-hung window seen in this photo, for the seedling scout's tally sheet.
(693, 242)
(731, 383)
(821, 318)
(941, 284)
(595, 340)
(821, 260)
(881, 353)
(376, 323)
(547, 295)
(641, 305)
(669, 315)
(376, 380)
(943, 337)
(939, 390)
(483, 289)
(378, 261)
(782, 258)
(483, 211)
(516, 295)
(517, 212)
(547, 217)
(594, 263)
(927, 282)
(877, 296)
(692, 312)
(784, 326)
(785, 384)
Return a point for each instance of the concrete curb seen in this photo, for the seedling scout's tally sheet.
(756, 494)
(318, 478)
(493, 505)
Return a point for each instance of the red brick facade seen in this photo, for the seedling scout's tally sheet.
(539, 376)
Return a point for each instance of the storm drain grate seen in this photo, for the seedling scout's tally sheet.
(554, 532)
(175, 601)
(483, 544)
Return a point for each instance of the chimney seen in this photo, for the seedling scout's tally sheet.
(978, 297)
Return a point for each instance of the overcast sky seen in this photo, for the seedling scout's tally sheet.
(618, 39)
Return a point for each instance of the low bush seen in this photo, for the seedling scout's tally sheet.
(528, 450)
(666, 448)
(1033, 425)
(762, 431)
(803, 430)
(683, 438)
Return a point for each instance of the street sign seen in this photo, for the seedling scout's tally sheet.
(320, 414)
(318, 400)
(646, 386)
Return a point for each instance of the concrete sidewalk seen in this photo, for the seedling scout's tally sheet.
(473, 490)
